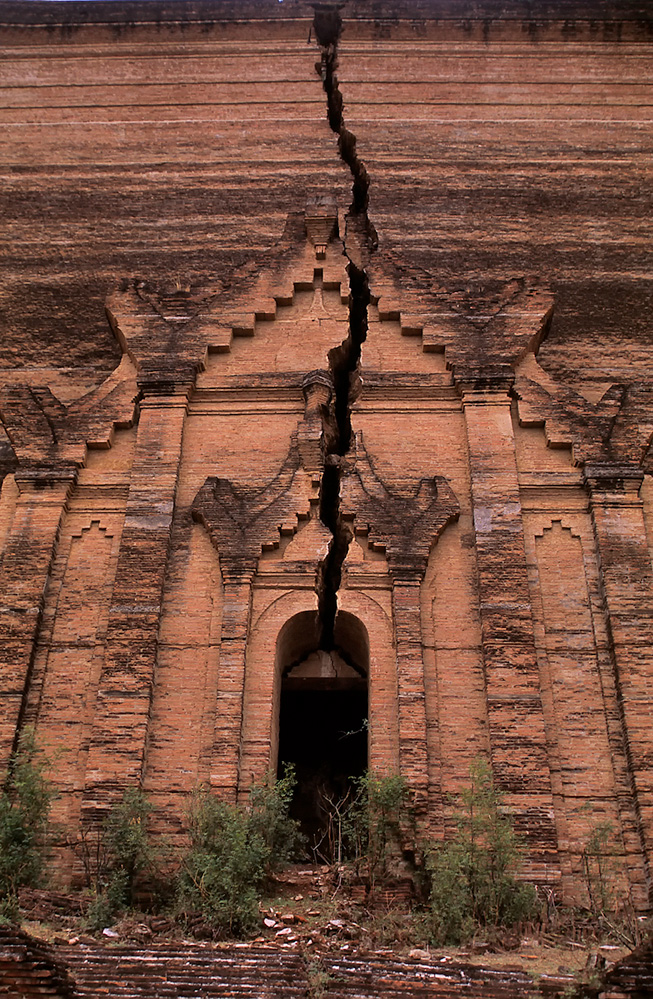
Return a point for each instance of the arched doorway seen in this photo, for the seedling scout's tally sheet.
(323, 730)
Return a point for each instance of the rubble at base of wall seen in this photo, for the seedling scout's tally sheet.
(83, 968)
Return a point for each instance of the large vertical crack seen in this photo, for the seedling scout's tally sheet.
(344, 360)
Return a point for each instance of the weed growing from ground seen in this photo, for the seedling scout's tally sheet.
(269, 803)
(609, 901)
(232, 851)
(472, 876)
(24, 808)
(122, 851)
(126, 838)
(318, 978)
(375, 822)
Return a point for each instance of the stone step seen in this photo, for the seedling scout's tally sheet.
(202, 971)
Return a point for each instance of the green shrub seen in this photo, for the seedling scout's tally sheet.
(107, 903)
(24, 809)
(609, 898)
(269, 803)
(472, 877)
(223, 872)
(121, 851)
(379, 813)
(126, 839)
(231, 852)
(599, 869)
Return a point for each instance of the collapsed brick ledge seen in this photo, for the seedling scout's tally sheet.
(256, 969)
(31, 968)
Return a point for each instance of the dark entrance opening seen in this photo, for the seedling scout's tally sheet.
(323, 728)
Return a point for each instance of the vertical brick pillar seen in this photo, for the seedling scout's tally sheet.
(236, 606)
(413, 753)
(627, 584)
(117, 748)
(516, 721)
(31, 547)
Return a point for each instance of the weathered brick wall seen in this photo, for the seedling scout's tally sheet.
(160, 517)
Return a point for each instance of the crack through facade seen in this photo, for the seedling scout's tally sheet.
(345, 359)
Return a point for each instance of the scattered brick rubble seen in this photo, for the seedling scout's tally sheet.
(293, 954)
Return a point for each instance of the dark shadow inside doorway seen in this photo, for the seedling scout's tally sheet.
(323, 730)
(323, 734)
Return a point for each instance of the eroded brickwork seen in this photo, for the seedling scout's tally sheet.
(369, 409)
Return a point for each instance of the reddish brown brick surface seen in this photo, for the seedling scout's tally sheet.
(175, 282)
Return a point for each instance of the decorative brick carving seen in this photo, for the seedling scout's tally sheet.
(405, 525)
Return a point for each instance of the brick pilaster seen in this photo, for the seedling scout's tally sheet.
(236, 607)
(118, 741)
(627, 584)
(413, 753)
(516, 721)
(31, 547)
